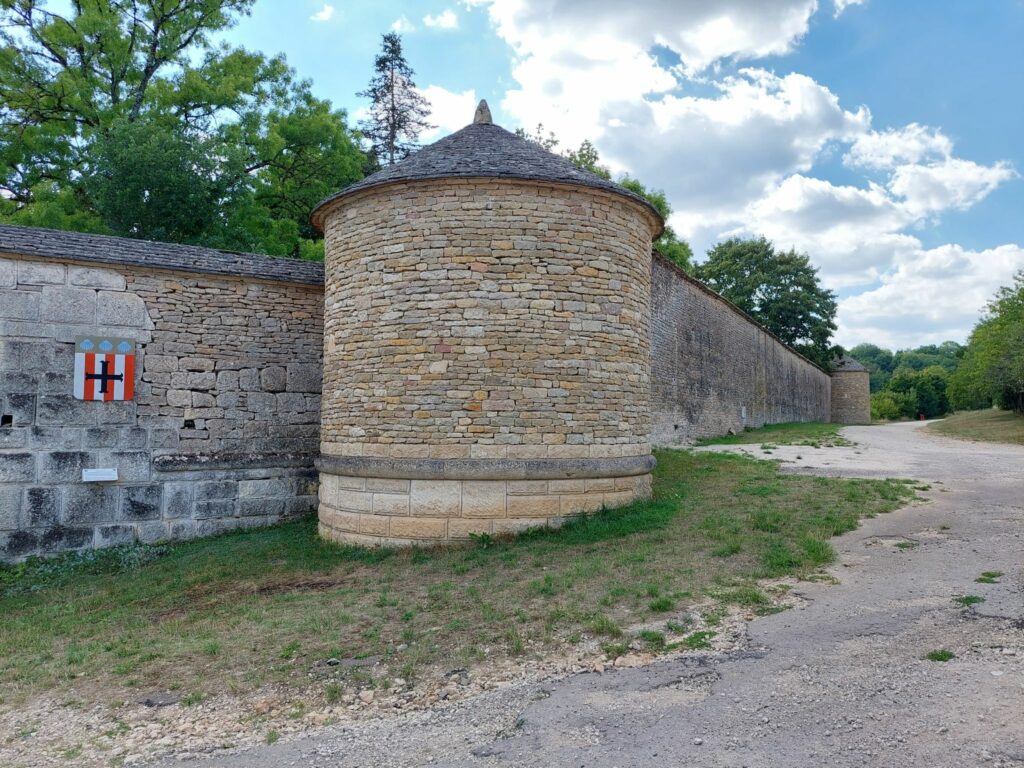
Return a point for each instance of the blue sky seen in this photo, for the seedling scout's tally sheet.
(882, 137)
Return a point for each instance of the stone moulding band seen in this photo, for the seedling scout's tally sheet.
(197, 461)
(485, 469)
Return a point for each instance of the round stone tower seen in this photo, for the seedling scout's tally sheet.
(486, 352)
(851, 392)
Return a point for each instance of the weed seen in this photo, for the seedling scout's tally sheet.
(940, 655)
(272, 737)
(196, 697)
(662, 604)
(906, 544)
(332, 692)
(699, 640)
(655, 640)
(614, 650)
(968, 600)
(602, 625)
(288, 652)
(989, 577)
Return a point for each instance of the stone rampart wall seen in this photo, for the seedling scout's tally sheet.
(715, 371)
(224, 427)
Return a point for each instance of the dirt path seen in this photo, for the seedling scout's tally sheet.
(839, 682)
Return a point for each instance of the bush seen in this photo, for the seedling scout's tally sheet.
(889, 406)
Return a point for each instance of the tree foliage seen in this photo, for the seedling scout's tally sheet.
(123, 116)
(882, 363)
(781, 290)
(398, 113)
(993, 366)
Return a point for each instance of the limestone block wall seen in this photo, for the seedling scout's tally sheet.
(715, 371)
(223, 430)
(473, 326)
(851, 397)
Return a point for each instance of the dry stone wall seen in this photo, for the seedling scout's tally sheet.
(224, 426)
(715, 371)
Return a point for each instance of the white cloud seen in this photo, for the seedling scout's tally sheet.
(444, 20)
(931, 296)
(401, 25)
(449, 110)
(740, 154)
(324, 14)
(842, 5)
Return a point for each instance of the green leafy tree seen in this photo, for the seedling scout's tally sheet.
(74, 83)
(398, 113)
(893, 406)
(993, 365)
(878, 361)
(540, 135)
(668, 243)
(781, 290)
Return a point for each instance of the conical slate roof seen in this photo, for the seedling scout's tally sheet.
(482, 149)
(847, 364)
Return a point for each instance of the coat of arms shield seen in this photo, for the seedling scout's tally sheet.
(104, 368)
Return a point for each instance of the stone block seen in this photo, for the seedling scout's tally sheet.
(250, 507)
(39, 273)
(304, 377)
(61, 304)
(160, 363)
(88, 504)
(373, 525)
(121, 308)
(567, 486)
(387, 485)
(10, 508)
(345, 499)
(600, 484)
(63, 539)
(210, 509)
(435, 498)
(94, 277)
(8, 273)
(517, 525)
(204, 364)
(141, 502)
(18, 381)
(177, 500)
(54, 438)
(113, 536)
(459, 528)
(249, 380)
(418, 527)
(151, 532)
(21, 407)
(533, 506)
(278, 487)
(132, 438)
(131, 466)
(483, 498)
(18, 544)
(577, 504)
(11, 437)
(179, 398)
(42, 507)
(19, 305)
(101, 437)
(216, 490)
(17, 468)
(65, 411)
(527, 487)
(63, 466)
(274, 378)
(300, 505)
(391, 504)
(339, 520)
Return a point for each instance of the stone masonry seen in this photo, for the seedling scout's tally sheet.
(223, 430)
(851, 392)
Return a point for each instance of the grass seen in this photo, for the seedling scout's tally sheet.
(238, 611)
(988, 426)
(969, 600)
(940, 655)
(989, 577)
(810, 433)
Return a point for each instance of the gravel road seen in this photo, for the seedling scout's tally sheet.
(840, 681)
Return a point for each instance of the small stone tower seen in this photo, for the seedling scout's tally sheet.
(486, 352)
(851, 392)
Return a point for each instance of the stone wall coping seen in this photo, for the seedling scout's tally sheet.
(484, 469)
(714, 294)
(106, 249)
(188, 462)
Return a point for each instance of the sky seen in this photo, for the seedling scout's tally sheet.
(881, 137)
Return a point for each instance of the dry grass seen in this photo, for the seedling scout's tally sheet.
(989, 426)
(810, 433)
(234, 612)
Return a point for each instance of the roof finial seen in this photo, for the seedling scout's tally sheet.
(483, 113)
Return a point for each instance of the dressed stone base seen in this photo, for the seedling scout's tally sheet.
(459, 501)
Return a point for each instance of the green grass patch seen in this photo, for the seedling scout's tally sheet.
(810, 433)
(990, 426)
(967, 600)
(940, 655)
(258, 607)
(989, 577)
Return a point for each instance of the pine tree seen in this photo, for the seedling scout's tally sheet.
(398, 112)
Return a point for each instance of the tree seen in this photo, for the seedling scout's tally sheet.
(547, 140)
(398, 113)
(668, 243)
(878, 361)
(993, 365)
(235, 124)
(781, 291)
